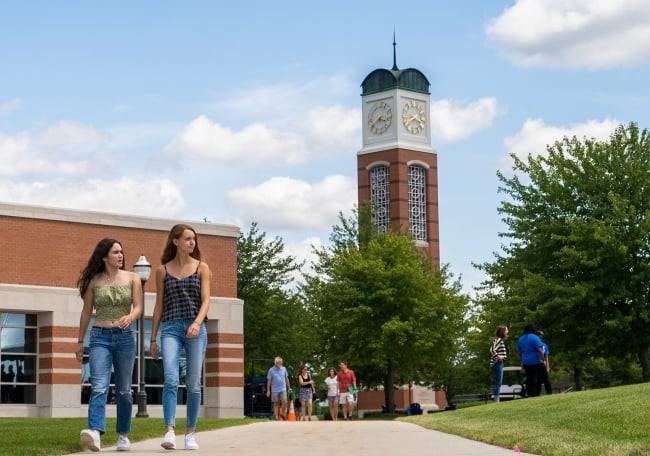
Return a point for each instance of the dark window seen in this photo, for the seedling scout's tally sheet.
(18, 342)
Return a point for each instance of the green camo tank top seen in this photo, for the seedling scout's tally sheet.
(112, 302)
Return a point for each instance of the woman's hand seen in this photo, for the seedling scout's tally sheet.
(155, 351)
(193, 330)
(125, 321)
(79, 354)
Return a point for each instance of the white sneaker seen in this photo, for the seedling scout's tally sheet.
(123, 443)
(169, 441)
(90, 438)
(190, 442)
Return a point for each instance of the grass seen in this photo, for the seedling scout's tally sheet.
(55, 436)
(605, 422)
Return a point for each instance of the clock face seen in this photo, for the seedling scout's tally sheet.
(379, 117)
(414, 117)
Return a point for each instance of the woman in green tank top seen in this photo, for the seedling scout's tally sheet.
(116, 296)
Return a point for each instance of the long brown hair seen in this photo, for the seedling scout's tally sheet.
(96, 263)
(170, 248)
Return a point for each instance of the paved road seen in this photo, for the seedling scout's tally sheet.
(360, 438)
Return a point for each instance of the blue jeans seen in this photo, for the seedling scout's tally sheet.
(497, 375)
(111, 347)
(173, 337)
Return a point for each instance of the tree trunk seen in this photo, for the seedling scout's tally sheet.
(578, 373)
(644, 360)
(389, 390)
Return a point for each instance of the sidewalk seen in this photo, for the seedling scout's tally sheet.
(361, 438)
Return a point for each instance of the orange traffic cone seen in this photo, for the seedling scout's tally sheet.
(292, 413)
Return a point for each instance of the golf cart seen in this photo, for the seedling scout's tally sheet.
(513, 386)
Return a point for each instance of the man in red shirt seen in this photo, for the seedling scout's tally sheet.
(346, 379)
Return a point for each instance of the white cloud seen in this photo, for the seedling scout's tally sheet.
(332, 129)
(535, 135)
(303, 251)
(574, 33)
(9, 106)
(204, 139)
(128, 195)
(62, 148)
(452, 120)
(283, 102)
(285, 203)
(321, 131)
(282, 124)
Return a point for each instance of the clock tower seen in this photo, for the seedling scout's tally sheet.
(397, 167)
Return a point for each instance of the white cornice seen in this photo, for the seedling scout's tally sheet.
(396, 145)
(110, 219)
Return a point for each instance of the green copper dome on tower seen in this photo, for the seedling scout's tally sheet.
(382, 79)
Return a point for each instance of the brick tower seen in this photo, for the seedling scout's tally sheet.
(397, 167)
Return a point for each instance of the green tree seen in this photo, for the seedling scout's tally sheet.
(383, 308)
(275, 320)
(577, 258)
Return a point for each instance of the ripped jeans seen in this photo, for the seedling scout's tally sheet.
(111, 347)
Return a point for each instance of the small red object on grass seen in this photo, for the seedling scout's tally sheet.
(516, 449)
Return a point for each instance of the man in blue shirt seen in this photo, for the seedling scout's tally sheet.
(531, 355)
(277, 383)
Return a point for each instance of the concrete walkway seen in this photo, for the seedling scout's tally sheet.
(360, 438)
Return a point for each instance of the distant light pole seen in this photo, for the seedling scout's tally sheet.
(143, 268)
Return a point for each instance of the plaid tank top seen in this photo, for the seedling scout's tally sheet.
(182, 299)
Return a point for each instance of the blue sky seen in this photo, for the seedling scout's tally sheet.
(251, 111)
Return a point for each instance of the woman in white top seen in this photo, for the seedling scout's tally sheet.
(332, 393)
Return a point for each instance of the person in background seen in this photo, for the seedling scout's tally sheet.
(346, 379)
(531, 355)
(547, 366)
(332, 393)
(277, 384)
(306, 393)
(498, 355)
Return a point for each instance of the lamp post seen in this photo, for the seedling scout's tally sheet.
(143, 268)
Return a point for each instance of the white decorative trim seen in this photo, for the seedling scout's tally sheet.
(377, 163)
(57, 355)
(225, 374)
(421, 244)
(224, 360)
(418, 163)
(111, 219)
(66, 302)
(57, 339)
(396, 145)
(60, 370)
(217, 345)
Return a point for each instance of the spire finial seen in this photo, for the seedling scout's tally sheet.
(394, 53)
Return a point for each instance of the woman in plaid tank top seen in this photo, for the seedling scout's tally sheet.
(182, 301)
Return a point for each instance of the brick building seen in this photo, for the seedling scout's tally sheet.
(42, 251)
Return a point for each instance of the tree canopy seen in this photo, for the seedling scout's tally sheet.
(382, 307)
(576, 257)
(275, 320)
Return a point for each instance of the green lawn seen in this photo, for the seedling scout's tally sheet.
(607, 422)
(52, 436)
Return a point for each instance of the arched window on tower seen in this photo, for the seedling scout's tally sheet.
(380, 197)
(417, 176)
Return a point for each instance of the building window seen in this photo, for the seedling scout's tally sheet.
(418, 202)
(380, 197)
(154, 378)
(18, 342)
